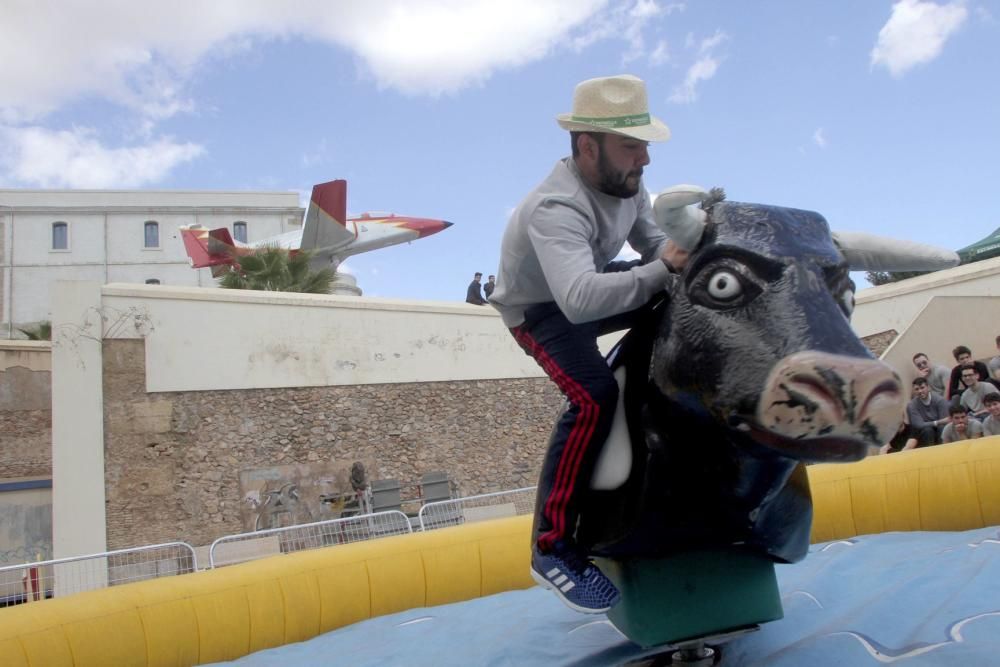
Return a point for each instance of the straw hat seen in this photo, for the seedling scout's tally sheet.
(615, 104)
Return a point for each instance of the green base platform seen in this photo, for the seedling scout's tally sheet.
(691, 595)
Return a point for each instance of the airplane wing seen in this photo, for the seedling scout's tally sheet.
(326, 218)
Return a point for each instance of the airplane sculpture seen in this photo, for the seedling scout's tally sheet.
(326, 231)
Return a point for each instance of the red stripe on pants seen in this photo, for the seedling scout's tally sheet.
(576, 445)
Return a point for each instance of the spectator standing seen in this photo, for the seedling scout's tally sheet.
(991, 425)
(936, 374)
(961, 427)
(975, 391)
(491, 283)
(927, 413)
(963, 355)
(474, 294)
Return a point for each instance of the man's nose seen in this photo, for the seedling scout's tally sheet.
(643, 157)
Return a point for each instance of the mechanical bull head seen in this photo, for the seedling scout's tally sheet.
(746, 370)
(757, 332)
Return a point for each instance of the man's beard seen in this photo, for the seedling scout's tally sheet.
(614, 182)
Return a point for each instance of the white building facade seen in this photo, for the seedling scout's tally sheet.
(127, 236)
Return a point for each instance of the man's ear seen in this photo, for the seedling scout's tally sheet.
(588, 146)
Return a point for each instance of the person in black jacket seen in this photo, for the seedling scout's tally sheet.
(474, 294)
(963, 355)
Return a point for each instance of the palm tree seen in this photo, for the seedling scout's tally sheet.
(41, 331)
(275, 269)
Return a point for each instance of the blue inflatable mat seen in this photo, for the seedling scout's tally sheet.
(912, 599)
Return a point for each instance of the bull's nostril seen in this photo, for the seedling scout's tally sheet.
(819, 392)
(887, 395)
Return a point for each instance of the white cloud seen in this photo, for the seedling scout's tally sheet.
(916, 33)
(141, 53)
(819, 137)
(76, 159)
(709, 43)
(703, 69)
(627, 22)
(660, 54)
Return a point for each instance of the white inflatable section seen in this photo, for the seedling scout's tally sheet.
(615, 460)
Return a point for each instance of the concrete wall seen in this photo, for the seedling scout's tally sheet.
(942, 324)
(202, 339)
(895, 305)
(163, 396)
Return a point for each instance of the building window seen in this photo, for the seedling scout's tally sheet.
(60, 236)
(240, 231)
(153, 281)
(152, 234)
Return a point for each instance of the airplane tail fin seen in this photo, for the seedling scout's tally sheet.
(326, 217)
(208, 247)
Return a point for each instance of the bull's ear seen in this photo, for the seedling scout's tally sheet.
(672, 284)
(870, 252)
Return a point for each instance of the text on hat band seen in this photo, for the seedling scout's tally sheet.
(615, 121)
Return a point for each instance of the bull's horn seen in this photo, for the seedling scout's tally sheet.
(870, 252)
(677, 213)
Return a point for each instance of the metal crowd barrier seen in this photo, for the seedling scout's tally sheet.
(477, 508)
(232, 549)
(58, 577)
(28, 582)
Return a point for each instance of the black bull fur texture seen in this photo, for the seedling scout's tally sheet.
(765, 283)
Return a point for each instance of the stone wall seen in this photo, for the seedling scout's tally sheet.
(25, 443)
(173, 460)
(25, 420)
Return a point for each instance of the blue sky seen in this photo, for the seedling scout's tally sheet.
(882, 116)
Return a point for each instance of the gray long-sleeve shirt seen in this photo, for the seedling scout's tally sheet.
(923, 414)
(560, 239)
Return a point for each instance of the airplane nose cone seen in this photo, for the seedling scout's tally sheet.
(426, 226)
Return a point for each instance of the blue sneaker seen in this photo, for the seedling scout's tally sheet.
(576, 580)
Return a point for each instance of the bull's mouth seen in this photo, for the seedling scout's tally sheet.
(822, 448)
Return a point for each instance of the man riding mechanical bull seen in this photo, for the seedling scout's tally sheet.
(716, 442)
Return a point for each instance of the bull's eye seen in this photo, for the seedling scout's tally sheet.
(724, 286)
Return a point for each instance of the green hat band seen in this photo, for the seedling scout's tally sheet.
(615, 121)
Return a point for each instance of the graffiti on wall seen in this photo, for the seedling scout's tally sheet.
(290, 495)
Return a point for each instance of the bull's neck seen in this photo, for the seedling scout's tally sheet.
(723, 458)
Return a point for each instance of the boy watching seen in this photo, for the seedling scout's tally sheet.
(975, 392)
(927, 413)
(991, 425)
(961, 427)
